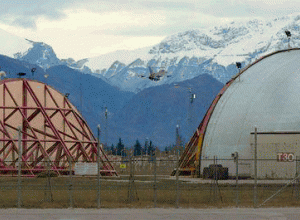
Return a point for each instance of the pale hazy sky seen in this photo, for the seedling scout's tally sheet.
(88, 28)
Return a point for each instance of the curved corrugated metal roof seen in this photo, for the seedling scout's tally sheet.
(265, 95)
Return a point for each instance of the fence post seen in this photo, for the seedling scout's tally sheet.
(19, 168)
(131, 180)
(98, 169)
(255, 169)
(154, 186)
(237, 178)
(216, 174)
(48, 191)
(130, 197)
(70, 183)
(297, 178)
(142, 171)
(177, 179)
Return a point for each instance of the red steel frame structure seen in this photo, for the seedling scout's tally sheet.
(190, 160)
(53, 131)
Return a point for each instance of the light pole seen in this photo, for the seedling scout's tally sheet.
(105, 114)
(288, 34)
(192, 97)
(32, 71)
(46, 76)
(239, 66)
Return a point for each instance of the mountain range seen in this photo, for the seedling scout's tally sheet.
(195, 62)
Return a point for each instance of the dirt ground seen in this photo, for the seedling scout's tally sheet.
(143, 192)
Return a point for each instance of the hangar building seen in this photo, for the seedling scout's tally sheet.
(265, 95)
(40, 129)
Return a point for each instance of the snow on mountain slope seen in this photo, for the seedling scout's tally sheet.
(44, 56)
(182, 56)
(236, 39)
(188, 54)
(261, 37)
(11, 44)
(123, 56)
(41, 54)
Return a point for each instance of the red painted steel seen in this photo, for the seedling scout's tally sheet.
(52, 130)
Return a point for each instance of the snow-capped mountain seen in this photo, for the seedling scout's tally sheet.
(188, 54)
(44, 56)
(182, 56)
(40, 54)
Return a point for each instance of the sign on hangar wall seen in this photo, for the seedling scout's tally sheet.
(285, 157)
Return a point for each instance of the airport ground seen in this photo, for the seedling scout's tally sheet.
(145, 192)
(152, 213)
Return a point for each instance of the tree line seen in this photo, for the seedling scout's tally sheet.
(138, 149)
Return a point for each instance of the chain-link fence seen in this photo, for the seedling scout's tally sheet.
(145, 181)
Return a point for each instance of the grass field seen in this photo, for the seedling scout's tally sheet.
(120, 192)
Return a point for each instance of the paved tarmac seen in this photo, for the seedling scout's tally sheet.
(152, 213)
(233, 181)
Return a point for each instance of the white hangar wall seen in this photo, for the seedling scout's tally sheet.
(277, 153)
(266, 96)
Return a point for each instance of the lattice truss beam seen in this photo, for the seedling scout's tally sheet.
(53, 131)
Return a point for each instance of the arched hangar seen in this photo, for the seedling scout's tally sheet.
(265, 95)
(53, 133)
